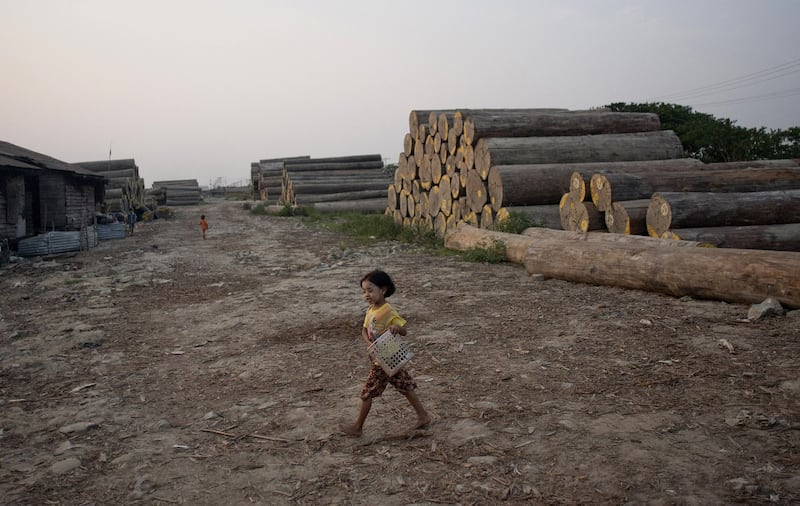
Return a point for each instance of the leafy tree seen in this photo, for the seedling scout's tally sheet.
(712, 139)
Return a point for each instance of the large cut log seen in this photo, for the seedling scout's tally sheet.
(782, 237)
(466, 237)
(668, 210)
(734, 275)
(659, 145)
(309, 188)
(577, 215)
(784, 162)
(337, 159)
(539, 184)
(606, 188)
(542, 123)
(377, 205)
(518, 116)
(627, 217)
(285, 159)
(349, 196)
(313, 165)
(101, 166)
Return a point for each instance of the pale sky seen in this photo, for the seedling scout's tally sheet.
(201, 88)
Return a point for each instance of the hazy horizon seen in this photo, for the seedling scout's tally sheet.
(201, 89)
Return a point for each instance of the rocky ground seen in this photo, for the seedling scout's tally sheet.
(165, 369)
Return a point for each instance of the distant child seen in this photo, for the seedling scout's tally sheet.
(380, 317)
(131, 221)
(203, 225)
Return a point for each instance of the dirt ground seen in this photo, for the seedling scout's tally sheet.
(165, 369)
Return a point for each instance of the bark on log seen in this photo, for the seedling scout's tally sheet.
(733, 275)
(627, 217)
(541, 123)
(352, 195)
(659, 145)
(754, 163)
(668, 210)
(377, 205)
(782, 237)
(314, 165)
(606, 188)
(540, 184)
(336, 159)
(467, 236)
(309, 188)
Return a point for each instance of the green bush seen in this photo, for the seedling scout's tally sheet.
(516, 223)
(493, 255)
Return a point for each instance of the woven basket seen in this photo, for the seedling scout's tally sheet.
(390, 352)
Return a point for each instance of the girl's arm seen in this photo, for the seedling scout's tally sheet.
(365, 335)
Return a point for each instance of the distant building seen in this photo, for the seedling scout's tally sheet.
(39, 194)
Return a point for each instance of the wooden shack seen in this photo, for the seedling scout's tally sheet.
(39, 194)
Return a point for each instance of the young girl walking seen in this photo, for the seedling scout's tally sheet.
(380, 317)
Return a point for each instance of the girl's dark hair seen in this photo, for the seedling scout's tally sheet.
(381, 280)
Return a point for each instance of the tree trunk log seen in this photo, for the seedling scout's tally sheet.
(659, 145)
(606, 188)
(712, 273)
(313, 188)
(352, 195)
(540, 123)
(628, 217)
(782, 237)
(377, 205)
(336, 159)
(313, 165)
(668, 210)
(540, 184)
(476, 191)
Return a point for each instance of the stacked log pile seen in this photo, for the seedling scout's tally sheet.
(470, 165)
(739, 204)
(263, 172)
(179, 192)
(353, 183)
(124, 188)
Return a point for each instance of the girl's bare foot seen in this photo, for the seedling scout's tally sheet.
(350, 430)
(423, 422)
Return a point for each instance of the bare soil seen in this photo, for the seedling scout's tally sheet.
(165, 369)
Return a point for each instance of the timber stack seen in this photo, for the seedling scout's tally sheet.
(472, 165)
(749, 204)
(124, 189)
(179, 192)
(354, 183)
(263, 173)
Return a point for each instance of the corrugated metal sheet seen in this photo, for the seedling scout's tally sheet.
(56, 242)
(111, 231)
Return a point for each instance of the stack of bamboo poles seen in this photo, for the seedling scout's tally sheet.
(124, 188)
(752, 204)
(179, 192)
(343, 183)
(470, 165)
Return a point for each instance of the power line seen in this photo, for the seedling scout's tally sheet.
(754, 98)
(767, 74)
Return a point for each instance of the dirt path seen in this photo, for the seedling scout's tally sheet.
(166, 369)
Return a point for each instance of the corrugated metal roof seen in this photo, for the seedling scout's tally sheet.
(14, 156)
